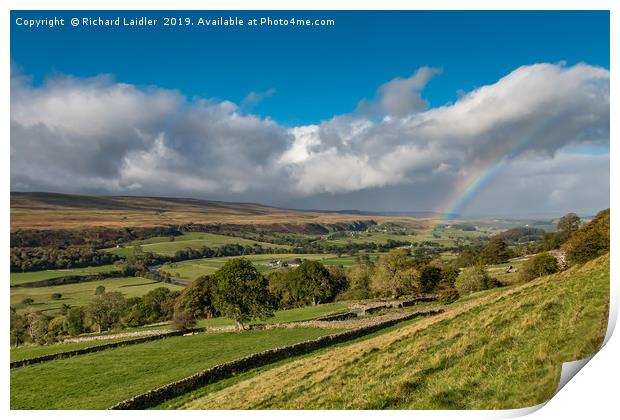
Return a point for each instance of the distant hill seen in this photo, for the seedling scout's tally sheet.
(43, 210)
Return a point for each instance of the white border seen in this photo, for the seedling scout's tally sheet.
(593, 393)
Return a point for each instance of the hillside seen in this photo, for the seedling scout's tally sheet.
(496, 350)
(58, 211)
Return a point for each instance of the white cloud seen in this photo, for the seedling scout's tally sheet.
(97, 135)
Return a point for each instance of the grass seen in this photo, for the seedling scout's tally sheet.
(163, 245)
(79, 294)
(99, 380)
(28, 277)
(192, 269)
(182, 400)
(498, 350)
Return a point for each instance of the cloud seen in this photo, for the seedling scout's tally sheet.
(536, 109)
(254, 98)
(101, 136)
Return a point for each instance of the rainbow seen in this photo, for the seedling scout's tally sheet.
(481, 174)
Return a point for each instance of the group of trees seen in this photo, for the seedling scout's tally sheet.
(589, 241)
(397, 274)
(105, 311)
(46, 258)
(494, 251)
(309, 284)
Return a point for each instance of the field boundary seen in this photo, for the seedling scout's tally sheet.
(174, 389)
(70, 353)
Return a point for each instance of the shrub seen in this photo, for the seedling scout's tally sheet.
(182, 320)
(473, 279)
(448, 296)
(538, 266)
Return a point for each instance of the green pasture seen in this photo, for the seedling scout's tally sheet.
(169, 245)
(80, 294)
(99, 380)
(28, 277)
(191, 269)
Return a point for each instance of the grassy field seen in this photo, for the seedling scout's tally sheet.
(79, 294)
(194, 240)
(442, 236)
(503, 349)
(23, 278)
(99, 380)
(192, 269)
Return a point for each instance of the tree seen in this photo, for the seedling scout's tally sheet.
(19, 328)
(472, 279)
(55, 329)
(338, 281)
(388, 279)
(197, 299)
(469, 256)
(569, 223)
(153, 303)
(311, 283)
(359, 278)
(241, 292)
(495, 251)
(590, 241)
(566, 226)
(448, 277)
(106, 309)
(75, 321)
(136, 312)
(538, 266)
(280, 287)
(37, 326)
(430, 276)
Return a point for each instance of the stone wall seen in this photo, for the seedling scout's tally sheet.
(159, 395)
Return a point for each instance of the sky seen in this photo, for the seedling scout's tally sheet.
(479, 113)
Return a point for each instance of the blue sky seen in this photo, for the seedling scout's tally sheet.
(316, 72)
(385, 111)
